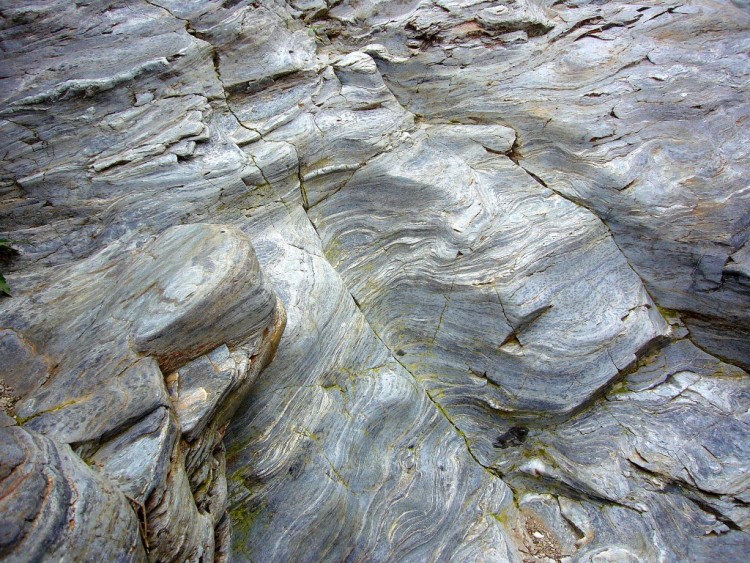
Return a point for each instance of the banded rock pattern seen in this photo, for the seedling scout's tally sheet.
(153, 351)
(509, 238)
(51, 501)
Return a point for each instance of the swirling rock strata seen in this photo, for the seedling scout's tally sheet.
(661, 449)
(366, 458)
(633, 111)
(510, 238)
(53, 506)
(115, 324)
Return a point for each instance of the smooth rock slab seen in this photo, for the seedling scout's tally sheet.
(491, 289)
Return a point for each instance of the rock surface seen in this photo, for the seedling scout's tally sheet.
(510, 239)
(55, 507)
(86, 356)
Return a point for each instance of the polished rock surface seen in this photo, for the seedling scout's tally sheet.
(510, 239)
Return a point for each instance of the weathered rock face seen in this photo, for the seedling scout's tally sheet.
(54, 506)
(510, 238)
(136, 360)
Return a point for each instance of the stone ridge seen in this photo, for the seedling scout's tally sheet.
(510, 238)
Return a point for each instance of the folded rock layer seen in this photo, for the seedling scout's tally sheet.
(497, 250)
(131, 365)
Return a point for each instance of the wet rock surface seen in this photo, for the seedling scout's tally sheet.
(508, 242)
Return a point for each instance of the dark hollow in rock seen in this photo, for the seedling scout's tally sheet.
(515, 436)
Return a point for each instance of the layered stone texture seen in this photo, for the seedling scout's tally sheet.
(136, 360)
(53, 506)
(510, 239)
(635, 111)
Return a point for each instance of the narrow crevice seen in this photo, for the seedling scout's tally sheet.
(514, 153)
(301, 181)
(716, 513)
(580, 203)
(460, 432)
(217, 71)
(544, 184)
(486, 377)
(580, 534)
(303, 192)
(686, 489)
(687, 316)
(447, 298)
(437, 404)
(714, 354)
(215, 60)
(577, 491)
(172, 14)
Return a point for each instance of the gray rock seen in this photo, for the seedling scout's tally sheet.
(201, 385)
(159, 303)
(23, 370)
(194, 288)
(55, 508)
(617, 110)
(665, 441)
(338, 437)
(510, 238)
(137, 461)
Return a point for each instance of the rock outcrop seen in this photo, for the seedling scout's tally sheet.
(511, 239)
(135, 361)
